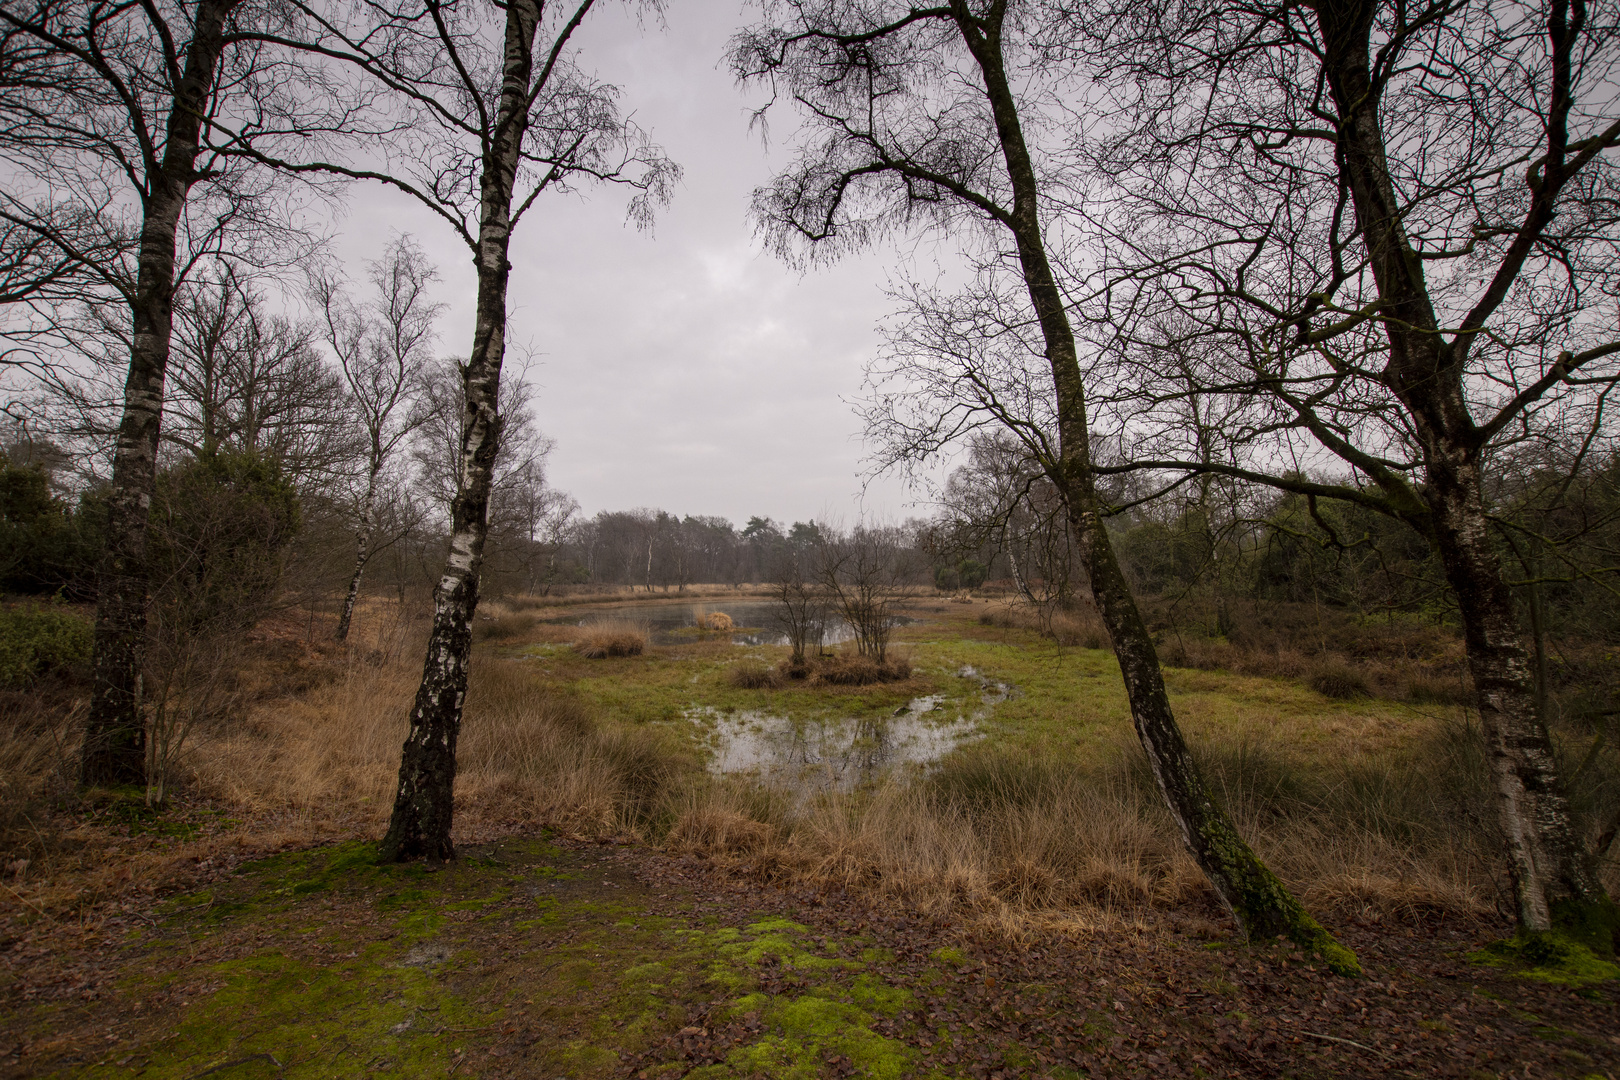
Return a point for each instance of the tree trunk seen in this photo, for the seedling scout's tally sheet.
(362, 553)
(114, 750)
(1553, 885)
(1259, 902)
(420, 825)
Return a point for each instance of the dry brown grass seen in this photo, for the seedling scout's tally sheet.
(526, 754)
(715, 621)
(1015, 841)
(754, 675)
(611, 637)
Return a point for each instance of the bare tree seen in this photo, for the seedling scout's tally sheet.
(111, 116)
(497, 114)
(383, 351)
(1385, 236)
(919, 116)
(245, 378)
(865, 575)
(1002, 498)
(801, 606)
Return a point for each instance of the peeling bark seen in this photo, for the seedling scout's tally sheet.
(114, 751)
(421, 821)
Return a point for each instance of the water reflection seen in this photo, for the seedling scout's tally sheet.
(815, 754)
(829, 753)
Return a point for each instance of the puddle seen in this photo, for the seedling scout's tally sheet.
(755, 620)
(815, 754)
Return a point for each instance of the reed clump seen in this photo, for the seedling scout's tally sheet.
(600, 640)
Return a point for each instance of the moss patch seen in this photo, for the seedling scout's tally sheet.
(1549, 958)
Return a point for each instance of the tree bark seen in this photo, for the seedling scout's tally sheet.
(1553, 882)
(1554, 886)
(114, 750)
(362, 554)
(421, 821)
(1259, 902)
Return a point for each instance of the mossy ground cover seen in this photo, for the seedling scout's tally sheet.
(538, 958)
(522, 959)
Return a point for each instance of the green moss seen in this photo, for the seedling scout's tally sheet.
(312, 1020)
(804, 1033)
(1265, 906)
(1548, 957)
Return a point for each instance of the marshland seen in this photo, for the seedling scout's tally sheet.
(1201, 660)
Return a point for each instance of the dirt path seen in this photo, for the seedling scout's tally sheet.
(537, 958)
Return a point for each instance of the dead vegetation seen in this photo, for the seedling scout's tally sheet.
(611, 637)
(1010, 837)
(1014, 839)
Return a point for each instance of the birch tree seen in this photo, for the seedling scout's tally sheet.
(496, 113)
(383, 351)
(924, 116)
(110, 118)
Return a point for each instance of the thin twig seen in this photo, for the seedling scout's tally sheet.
(24, 900)
(1348, 1042)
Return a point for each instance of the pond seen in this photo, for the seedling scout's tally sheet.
(671, 624)
(808, 755)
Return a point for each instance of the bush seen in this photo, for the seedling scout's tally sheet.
(218, 536)
(601, 640)
(753, 675)
(34, 641)
(1338, 681)
(44, 546)
(851, 669)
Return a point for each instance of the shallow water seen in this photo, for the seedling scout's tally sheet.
(670, 624)
(811, 755)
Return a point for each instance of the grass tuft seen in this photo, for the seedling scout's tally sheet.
(754, 675)
(600, 640)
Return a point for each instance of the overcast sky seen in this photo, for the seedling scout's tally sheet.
(684, 369)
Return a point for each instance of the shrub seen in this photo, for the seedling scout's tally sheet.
(600, 640)
(34, 641)
(850, 669)
(796, 667)
(753, 675)
(44, 546)
(1338, 681)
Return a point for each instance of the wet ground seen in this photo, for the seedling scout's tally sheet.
(809, 754)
